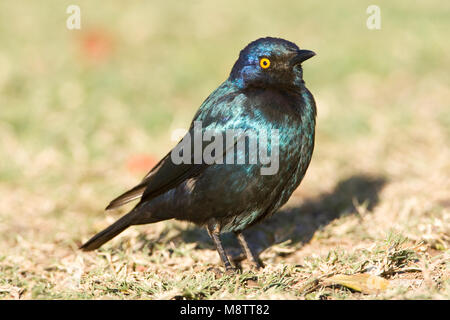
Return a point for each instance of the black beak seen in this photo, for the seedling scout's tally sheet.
(302, 55)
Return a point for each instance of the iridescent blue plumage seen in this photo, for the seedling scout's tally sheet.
(264, 92)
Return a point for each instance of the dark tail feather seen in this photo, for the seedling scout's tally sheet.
(113, 230)
(128, 196)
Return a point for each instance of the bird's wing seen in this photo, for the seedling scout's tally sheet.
(137, 191)
(167, 175)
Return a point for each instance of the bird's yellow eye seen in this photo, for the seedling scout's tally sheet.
(264, 63)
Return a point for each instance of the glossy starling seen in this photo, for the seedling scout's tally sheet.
(265, 92)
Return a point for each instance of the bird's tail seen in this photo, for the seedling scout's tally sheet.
(113, 230)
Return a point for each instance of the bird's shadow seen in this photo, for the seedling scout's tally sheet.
(299, 223)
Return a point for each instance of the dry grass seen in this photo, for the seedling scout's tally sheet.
(376, 199)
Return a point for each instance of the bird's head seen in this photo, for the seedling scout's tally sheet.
(270, 62)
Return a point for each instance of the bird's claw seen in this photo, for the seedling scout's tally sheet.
(257, 265)
(231, 271)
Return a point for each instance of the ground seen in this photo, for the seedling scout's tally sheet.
(84, 113)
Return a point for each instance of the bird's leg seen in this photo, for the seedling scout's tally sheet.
(214, 234)
(251, 256)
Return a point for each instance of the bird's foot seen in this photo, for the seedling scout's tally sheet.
(256, 264)
(231, 271)
(219, 273)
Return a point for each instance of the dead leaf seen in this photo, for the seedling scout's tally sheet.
(363, 282)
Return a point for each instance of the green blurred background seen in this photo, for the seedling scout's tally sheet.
(84, 113)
